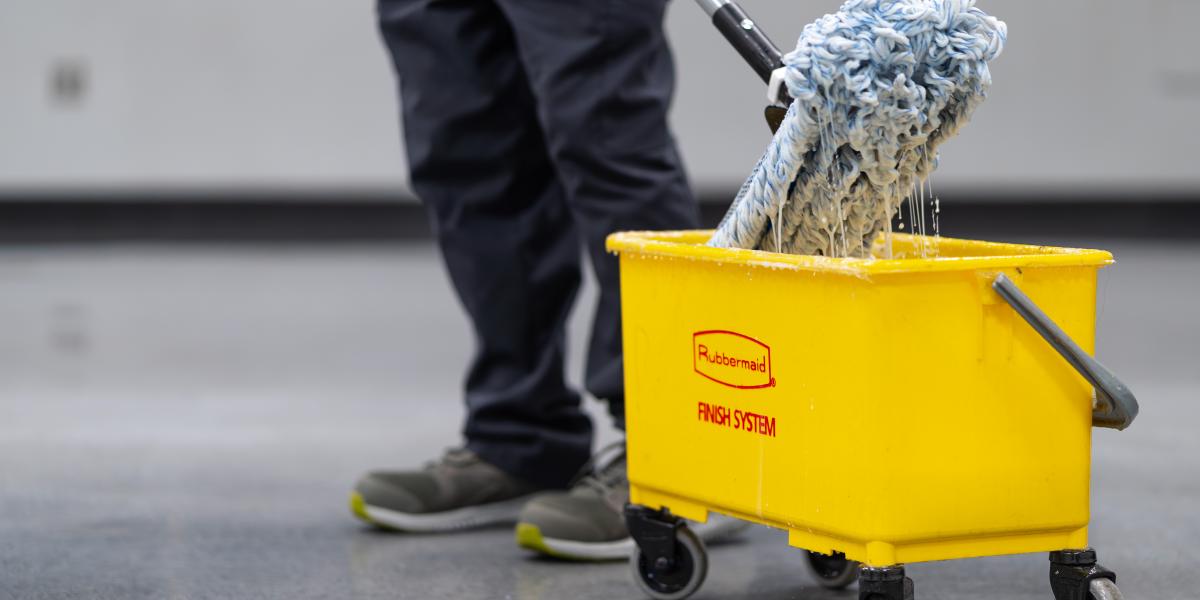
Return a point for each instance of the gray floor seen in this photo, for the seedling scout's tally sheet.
(184, 422)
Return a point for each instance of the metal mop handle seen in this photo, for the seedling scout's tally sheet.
(759, 51)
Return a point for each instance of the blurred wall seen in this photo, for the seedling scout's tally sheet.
(1091, 95)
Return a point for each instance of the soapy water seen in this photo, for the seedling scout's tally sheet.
(878, 87)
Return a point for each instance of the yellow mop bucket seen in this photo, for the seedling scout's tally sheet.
(880, 411)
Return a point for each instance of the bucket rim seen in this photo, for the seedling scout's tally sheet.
(970, 255)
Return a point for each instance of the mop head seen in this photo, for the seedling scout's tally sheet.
(878, 87)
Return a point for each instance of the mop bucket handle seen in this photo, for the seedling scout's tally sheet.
(1116, 407)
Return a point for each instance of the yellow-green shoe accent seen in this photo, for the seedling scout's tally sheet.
(529, 537)
(358, 506)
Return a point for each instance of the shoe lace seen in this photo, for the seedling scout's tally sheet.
(604, 470)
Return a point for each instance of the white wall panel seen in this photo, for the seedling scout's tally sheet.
(1091, 94)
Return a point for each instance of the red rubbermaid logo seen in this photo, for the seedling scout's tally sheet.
(732, 359)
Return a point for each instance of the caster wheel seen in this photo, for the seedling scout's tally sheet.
(1075, 575)
(1104, 589)
(832, 572)
(678, 579)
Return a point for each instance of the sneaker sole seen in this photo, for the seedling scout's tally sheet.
(529, 536)
(451, 520)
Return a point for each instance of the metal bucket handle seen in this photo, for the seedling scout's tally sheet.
(1116, 408)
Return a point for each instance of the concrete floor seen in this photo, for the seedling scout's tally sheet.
(185, 422)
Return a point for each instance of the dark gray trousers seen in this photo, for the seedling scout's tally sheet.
(535, 128)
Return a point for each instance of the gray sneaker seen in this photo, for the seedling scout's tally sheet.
(459, 491)
(587, 522)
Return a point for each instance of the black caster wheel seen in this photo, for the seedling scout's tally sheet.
(1075, 575)
(884, 583)
(672, 578)
(832, 571)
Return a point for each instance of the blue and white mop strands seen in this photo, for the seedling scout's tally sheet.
(878, 87)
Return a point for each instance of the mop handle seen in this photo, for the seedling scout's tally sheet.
(744, 34)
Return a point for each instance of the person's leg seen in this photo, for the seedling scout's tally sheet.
(478, 162)
(603, 76)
